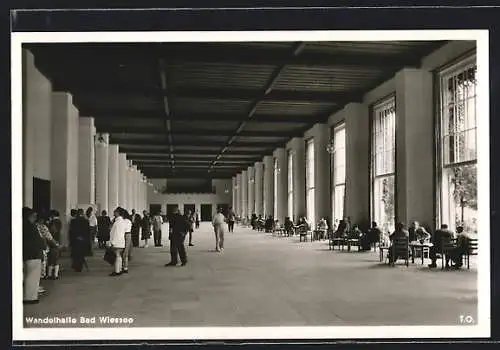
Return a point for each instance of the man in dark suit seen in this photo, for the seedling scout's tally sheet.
(79, 238)
(400, 232)
(443, 235)
(179, 227)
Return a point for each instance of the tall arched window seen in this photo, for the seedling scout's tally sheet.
(338, 173)
(310, 183)
(264, 207)
(458, 146)
(290, 186)
(383, 164)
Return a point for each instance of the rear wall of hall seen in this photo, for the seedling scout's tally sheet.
(223, 195)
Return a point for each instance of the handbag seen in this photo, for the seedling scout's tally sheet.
(109, 256)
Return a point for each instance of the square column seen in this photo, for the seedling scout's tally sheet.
(64, 158)
(144, 188)
(128, 188)
(102, 171)
(244, 193)
(297, 148)
(251, 191)
(37, 126)
(415, 192)
(136, 188)
(86, 161)
(122, 179)
(113, 178)
(259, 196)
(238, 196)
(357, 163)
(282, 176)
(233, 189)
(268, 185)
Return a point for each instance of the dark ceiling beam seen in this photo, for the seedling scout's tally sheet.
(87, 91)
(192, 160)
(297, 48)
(194, 143)
(180, 154)
(168, 112)
(188, 175)
(106, 115)
(116, 130)
(109, 57)
(252, 56)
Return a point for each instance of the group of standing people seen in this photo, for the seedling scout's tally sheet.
(41, 250)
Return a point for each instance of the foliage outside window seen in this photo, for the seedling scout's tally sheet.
(338, 174)
(458, 146)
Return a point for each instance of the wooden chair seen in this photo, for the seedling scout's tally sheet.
(303, 233)
(447, 247)
(381, 249)
(333, 241)
(471, 250)
(400, 248)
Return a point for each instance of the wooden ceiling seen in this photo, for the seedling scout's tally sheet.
(198, 110)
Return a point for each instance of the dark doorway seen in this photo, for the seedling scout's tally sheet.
(170, 209)
(154, 209)
(189, 207)
(41, 195)
(206, 212)
(224, 207)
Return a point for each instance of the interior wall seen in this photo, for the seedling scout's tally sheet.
(37, 126)
(223, 195)
(439, 58)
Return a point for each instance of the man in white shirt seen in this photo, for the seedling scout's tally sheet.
(219, 225)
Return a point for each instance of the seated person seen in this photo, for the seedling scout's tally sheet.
(322, 228)
(269, 224)
(365, 243)
(260, 223)
(457, 255)
(400, 232)
(417, 233)
(289, 228)
(253, 221)
(374, 234)
(440, 237)
(355, 232)
(341, 231)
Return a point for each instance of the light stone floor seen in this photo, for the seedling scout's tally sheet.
(261, 280)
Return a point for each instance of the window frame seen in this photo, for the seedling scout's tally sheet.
(458, 65)
(275, 187)
(379, 105)
(310, 144)
(334, 130)
(290, 185)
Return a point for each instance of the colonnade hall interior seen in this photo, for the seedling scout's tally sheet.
(379, 132)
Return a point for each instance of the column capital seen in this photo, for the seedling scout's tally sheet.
(101, 140)
(86, 122)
